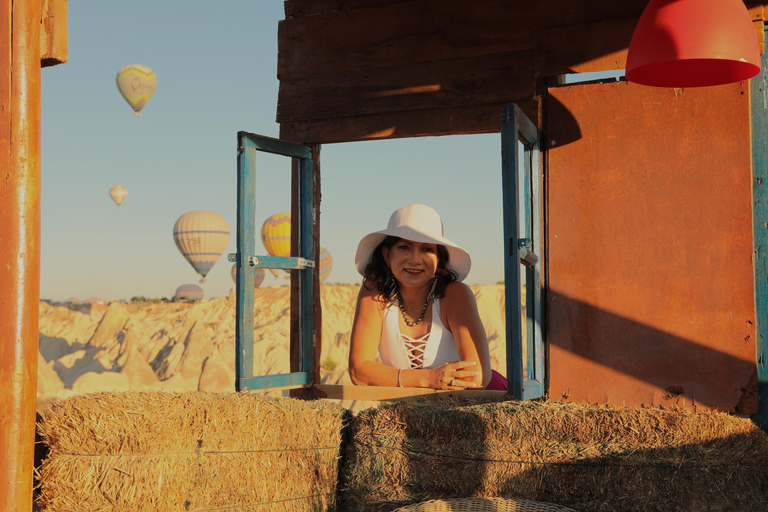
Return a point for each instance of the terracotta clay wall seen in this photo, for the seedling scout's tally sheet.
(649, 240)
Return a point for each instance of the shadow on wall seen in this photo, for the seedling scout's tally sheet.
(600, 357)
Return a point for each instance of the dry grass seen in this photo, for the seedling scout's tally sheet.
(241, 452)
(586, 457)
(143, 451)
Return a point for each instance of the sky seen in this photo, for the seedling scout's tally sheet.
(216, 67)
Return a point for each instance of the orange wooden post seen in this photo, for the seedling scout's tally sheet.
(19, 247)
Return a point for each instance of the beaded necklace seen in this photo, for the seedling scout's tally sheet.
(407, 320)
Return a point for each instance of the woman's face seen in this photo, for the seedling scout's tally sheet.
(412, 263)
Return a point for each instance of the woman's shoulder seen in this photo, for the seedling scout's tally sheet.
(458, 291)
(370, 297)
(367, 293)
(457, 297)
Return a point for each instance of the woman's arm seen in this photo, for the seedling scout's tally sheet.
(460, 315)
(364, 370)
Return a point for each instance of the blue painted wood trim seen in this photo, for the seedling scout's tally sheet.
(532, 389)
(759, 119)
(248, 144)
(536, 369)
(509, 183)
(277, 381)
(306, 216)
(246, 241)
(282, 262)
(275, 146)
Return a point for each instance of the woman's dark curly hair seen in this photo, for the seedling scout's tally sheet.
(377, 271)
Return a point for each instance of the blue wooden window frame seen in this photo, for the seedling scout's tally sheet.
(247, 146)
(759, 117)
(521, 183)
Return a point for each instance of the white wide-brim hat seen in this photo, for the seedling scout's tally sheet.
(417, 223)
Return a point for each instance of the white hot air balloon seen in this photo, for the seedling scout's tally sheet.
(118, 193)
(137, 84)
(201, 236)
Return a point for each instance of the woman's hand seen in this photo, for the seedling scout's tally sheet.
(454, 375)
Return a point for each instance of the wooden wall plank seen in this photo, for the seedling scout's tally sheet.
(398, 34)
(300, 8)
(568, 10)
(478, 81)
(395, 125)
(426, 30)
(53, 34)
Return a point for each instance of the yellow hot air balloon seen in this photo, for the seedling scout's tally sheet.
(137, 84)
(276, 236)
(118, 193)
(201, 236)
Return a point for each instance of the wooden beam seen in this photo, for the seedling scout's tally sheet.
(397, 34)
(53, 33)
(301, 8)
(385, 394)
(462, 82)
(397, 125)
(317, 315)
(20, 247)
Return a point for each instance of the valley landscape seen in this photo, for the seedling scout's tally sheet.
(174, 346)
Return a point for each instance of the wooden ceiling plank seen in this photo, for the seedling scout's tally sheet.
(475, 81)
(397, 34)
(299, 8)
(474, 119)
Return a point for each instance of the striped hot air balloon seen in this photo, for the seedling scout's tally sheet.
(189, 291)
(201, 236)
(118, 193)
(326, 264)
(276, 236)
(137, 84)
(258, 278)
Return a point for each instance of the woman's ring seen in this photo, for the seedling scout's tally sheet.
(451, 383)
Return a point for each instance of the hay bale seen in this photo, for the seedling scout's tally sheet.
(589, 458)
(160, 451)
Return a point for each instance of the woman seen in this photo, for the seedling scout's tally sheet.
(415, 312)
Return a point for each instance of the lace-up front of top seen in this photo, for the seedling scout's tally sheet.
(436, 347)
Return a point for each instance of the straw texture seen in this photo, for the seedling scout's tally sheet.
(144, 451)
(483, 505)
(589, 458)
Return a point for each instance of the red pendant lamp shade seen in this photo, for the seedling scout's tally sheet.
(693, 43)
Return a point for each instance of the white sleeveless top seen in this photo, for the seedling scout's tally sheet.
(440, 345)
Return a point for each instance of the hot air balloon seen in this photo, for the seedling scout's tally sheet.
(189, 291)
(201, 236)
(118, 193)
(326, 264)
(137, 84)
(276, 236)
(257, 279)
